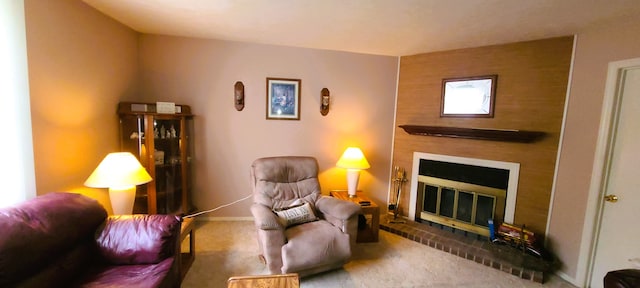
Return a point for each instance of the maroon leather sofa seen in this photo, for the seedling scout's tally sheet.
(67, 240)
(625, 278)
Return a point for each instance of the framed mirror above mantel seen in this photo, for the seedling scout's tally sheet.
(468, 96)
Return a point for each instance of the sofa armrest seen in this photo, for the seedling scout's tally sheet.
(138, 239)
(264, 218)
(337, 208)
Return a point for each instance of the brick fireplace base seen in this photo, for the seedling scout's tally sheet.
(472, 247)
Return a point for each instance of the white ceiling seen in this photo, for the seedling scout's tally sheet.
(384, 27)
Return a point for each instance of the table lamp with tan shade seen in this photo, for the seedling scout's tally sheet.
(121, 172)
(353, 160)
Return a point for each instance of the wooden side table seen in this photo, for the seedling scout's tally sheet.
(187, 258)
(370, 232)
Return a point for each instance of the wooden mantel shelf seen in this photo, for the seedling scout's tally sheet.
(475, 133)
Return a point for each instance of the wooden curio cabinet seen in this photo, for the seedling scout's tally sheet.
(163, 144)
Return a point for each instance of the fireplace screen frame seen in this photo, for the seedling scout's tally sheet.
(512, 187)
(497, 209)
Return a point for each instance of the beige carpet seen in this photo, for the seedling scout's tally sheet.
(225, 249)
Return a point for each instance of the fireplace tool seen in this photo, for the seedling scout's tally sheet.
(398, 182)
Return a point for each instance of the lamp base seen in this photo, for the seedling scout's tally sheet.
(353, 175)
(122, 200)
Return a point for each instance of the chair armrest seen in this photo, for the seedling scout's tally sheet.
(340, 213)
(337, 208)
(264, 218)
(138, 239)
(271, 236)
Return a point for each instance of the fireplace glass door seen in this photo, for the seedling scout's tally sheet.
(460, 205)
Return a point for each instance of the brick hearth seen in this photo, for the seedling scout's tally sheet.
(472, 247)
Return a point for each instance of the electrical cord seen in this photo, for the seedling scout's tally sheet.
(219, 207)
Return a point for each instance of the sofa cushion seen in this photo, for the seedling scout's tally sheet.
(64, 270)
(125, 276)
(138, 239)
(38, 232)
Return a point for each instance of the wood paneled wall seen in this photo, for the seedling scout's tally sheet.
(531, 90)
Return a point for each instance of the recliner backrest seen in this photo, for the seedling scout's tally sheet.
(278, 181)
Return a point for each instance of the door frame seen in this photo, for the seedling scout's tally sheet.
(601, 164)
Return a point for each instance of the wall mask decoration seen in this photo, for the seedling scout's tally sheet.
(238, 95)
(325, 100)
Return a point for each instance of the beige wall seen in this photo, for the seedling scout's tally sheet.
(530, 95)
(596, 47)
(81, 63)
(201, 73)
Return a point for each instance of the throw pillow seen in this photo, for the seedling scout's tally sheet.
(297, 214)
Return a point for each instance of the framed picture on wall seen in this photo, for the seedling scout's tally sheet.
(283, 99)
(469, 96)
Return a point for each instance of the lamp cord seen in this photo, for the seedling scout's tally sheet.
(219, 207)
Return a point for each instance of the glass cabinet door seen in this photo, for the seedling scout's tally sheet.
(167, 150)
(132, 139)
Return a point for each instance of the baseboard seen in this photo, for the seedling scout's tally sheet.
(204, 219)
(567, 278)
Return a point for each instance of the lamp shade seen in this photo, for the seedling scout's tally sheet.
(118, 170)
(352, 158)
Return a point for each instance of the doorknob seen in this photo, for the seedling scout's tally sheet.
(611, 198)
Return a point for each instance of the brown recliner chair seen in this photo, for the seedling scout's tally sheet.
(305, 244)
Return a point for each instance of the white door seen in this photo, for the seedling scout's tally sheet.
(618, 241)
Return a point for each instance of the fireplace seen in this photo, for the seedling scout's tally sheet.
(462, 193)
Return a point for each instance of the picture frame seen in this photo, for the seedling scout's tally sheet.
(283, 99)
(468, 96)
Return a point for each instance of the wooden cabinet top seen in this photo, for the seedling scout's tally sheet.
(136, 108)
